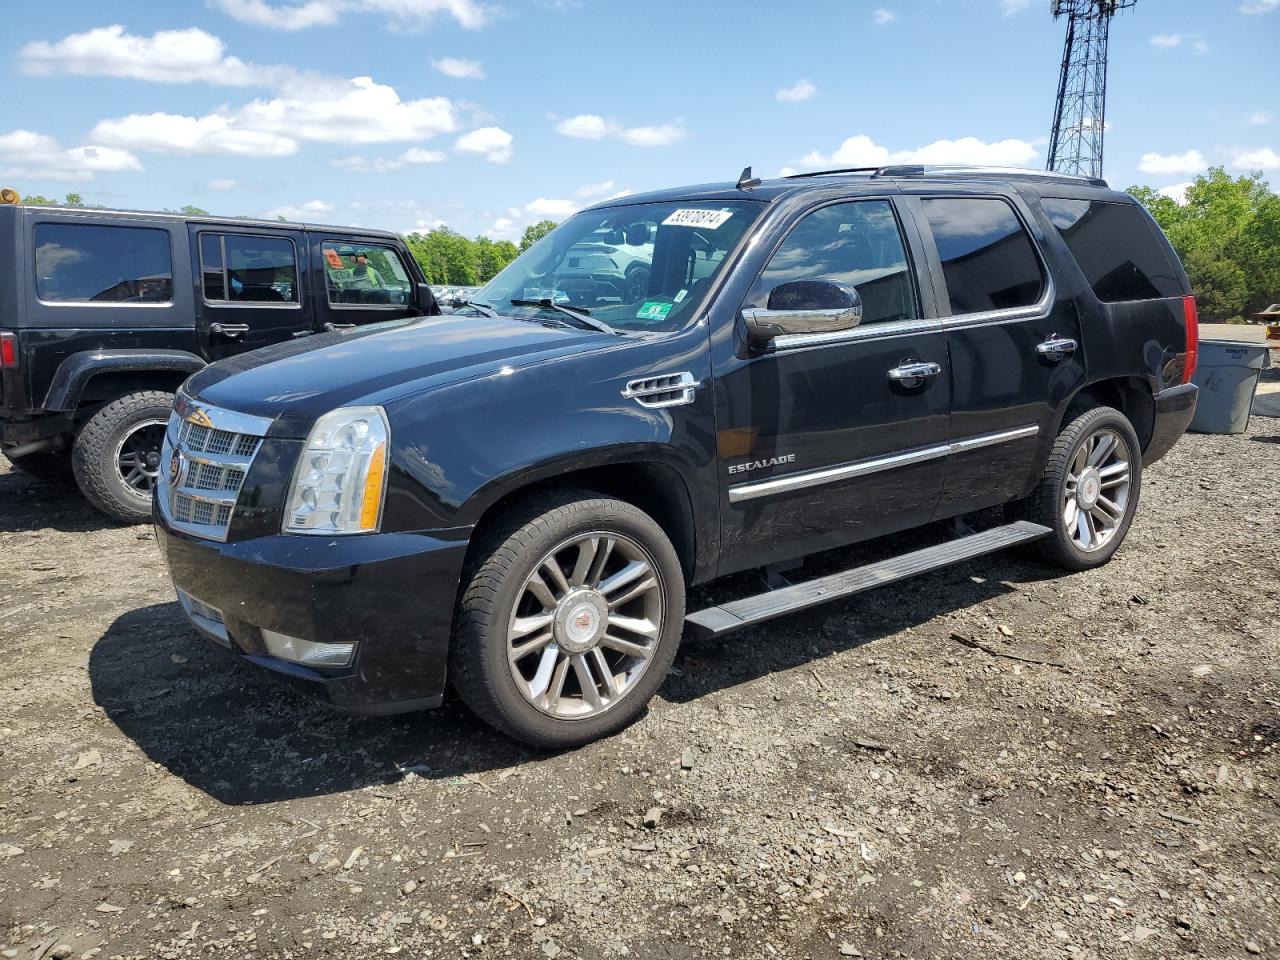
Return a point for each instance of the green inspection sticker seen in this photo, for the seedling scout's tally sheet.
(654, 310)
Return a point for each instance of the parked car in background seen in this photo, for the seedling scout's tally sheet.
(104, 313)
(515, 498)
(1270, 315)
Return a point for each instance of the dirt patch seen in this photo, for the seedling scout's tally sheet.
(863, 782)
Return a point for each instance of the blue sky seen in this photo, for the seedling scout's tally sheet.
(490, 115)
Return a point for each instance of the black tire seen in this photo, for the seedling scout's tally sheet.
(513, 550)
(51, 466)
(1047, 503)
(95, 456)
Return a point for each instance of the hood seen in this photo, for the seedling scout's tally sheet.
(297, 381)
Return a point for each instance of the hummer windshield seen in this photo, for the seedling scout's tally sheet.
(635, 268)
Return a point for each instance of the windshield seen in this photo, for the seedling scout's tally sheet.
(640, 267)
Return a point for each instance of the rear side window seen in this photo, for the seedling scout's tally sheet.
(364, 274)
(987, 257)
(86, 263)
(1117, 248)
(243, 268)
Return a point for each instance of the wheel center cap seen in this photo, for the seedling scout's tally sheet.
(1089, 489)
(580, 620)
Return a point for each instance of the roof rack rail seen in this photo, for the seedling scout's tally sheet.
(909, 170)
(824, 173)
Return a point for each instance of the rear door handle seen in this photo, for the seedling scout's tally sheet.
(1056, 347)
(914, 372)
(232, 330)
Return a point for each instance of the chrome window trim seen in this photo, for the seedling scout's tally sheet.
(118, 304)
(813, 478)
(1041, 308)
(798, 341)
(226, 272)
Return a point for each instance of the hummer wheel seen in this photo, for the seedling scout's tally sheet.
(570, 622)
(116, 457)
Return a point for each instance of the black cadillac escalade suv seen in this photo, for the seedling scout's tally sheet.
(515, 497)
(103, 313)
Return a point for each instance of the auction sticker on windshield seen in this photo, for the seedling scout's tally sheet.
(653, 310)
(707, 219)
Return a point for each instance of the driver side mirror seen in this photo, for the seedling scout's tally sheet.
(806, 306)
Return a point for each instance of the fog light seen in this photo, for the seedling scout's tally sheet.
(307, 652)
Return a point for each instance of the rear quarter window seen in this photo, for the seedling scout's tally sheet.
(87, 263)
(1119, 250)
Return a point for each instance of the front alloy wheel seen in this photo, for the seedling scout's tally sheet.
(570, 621)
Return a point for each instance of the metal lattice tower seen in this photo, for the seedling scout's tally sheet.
(1079, 120)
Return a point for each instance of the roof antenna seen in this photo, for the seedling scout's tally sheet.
(747, 181)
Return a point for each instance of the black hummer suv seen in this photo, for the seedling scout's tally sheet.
(103, 314)
(516, 496)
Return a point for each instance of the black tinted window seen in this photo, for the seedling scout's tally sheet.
(987, 258)
(249, 269)
(84, 263)
(859, 243)
(1117, 247)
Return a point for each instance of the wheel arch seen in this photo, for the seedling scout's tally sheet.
(95, 376)
(1132, 396)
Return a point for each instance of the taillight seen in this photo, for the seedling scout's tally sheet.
(8, 351)
(1193, 338)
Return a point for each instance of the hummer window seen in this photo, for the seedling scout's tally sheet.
(85, 263)
(637, 267)
(243, 268)
(987, 258)
(364, 274)
(859, 243)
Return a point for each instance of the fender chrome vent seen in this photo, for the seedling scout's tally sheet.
(670, 390)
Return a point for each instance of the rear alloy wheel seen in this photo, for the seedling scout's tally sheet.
(1089, 492)
(117, 455)
(570, 623)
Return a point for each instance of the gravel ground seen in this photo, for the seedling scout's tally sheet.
(993, 761)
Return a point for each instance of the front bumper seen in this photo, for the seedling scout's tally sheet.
(1174, 409)
(391, 593)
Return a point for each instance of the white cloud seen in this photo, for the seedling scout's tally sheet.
(1190, 162)
(1011, 7)
(1259, 119)
(1166, 41)
(883, 16)
(803, 90)
(223, 183)
(862, 151)
(1199, 46)
(1176, 191)
(24, 153)
(173, 133)
(589, 126)
(457, 67)
(469, 14)
(545, 209)
(414, 156)
(1255, 7)
(492, 143)
(308, 211)
(1263, 159)
(168, 56)
(596, 189)
(330, 111)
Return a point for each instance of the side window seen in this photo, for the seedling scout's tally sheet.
(859, 243)
(85, 263)
(1118, 248)
(365, 274)
(243, 268)
(987, 257)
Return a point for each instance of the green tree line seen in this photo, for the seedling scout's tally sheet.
(1227, 233)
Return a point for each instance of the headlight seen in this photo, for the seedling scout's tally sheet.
(341, 477)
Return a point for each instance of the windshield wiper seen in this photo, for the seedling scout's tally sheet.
(482, 308)
(581, 314)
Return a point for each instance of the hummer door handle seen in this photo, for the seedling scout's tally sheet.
(1056, 348)
(914, 373)
(232, 330)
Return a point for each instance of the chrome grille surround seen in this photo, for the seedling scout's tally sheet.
(206, 455)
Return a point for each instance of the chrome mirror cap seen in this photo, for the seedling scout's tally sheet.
(806, 306)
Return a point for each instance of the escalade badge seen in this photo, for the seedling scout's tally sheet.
(200, 418)
(761, 464)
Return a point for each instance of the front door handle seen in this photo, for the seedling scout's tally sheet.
(232, 330)
(914, 372)
(1056, 348)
